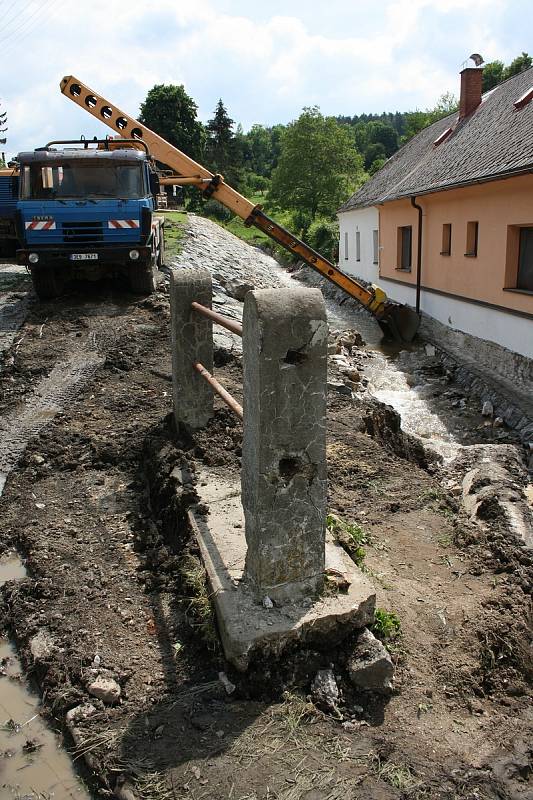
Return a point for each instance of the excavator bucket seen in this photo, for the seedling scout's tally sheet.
(399, 322)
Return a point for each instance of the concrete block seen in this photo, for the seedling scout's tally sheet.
(370, 667)
(192, 340)
(248, 629)
(285, 338)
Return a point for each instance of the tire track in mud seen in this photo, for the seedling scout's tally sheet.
(49, 397)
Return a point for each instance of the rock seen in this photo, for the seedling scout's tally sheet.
(105, 689)
(267, 602)
(487, 409)
(42, 646)
(430, 350)
(352, 374)
(370, 667)
(324, 690)
(79, 714)
(340, 387)
(238, 289)
(498, 422)
(37, 459)
(226, 683)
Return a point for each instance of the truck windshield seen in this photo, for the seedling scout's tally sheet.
(83, 179)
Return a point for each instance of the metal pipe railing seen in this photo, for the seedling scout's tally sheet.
(220, 319)
(219, 389)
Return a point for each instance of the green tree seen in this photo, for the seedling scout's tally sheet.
(384, 134)
(373, 152)
(520, 64)
(418, 120)
(220, 140)
(492, 75)
(169, 111)
(318, 166)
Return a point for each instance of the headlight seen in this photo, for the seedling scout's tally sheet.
(33, 258)
(134, 255)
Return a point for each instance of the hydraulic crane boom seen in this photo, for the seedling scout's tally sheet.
(398, 321)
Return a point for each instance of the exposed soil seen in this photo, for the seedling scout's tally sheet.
(114, 583)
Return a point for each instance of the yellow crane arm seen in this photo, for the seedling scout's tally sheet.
(398, 321)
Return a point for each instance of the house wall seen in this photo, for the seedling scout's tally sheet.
(497, 207)
(364, 221)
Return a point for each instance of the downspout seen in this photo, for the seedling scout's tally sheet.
(419, 254)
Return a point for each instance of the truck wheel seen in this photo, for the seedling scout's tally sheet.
(143, 278)
(47, 283)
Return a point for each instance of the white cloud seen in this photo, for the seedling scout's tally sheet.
(264, 69)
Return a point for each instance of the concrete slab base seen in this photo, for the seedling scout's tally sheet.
(249, 628)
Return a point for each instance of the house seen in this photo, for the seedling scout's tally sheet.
(454, 211)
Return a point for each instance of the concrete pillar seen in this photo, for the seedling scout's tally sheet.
(285, 337)
(192, 340)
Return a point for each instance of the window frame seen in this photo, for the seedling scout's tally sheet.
(472, 239)
(403, 250)
(346, 245)
(358, 245)
(375, 246)
(446, 239)
(521, 233)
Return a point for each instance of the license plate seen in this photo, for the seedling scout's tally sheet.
(83, 256)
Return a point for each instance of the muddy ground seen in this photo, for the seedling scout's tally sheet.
(113, 584)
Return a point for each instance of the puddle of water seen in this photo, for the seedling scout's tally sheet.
(11, 568)
(33, 765)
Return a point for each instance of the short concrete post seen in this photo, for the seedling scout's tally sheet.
(192, 340)
(285, 337)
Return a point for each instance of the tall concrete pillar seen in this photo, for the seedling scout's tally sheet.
(192, 340)
(285, 337)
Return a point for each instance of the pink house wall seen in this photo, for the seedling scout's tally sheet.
(500, 208)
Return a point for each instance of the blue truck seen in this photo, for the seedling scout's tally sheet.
(85, 210)
(9, 190)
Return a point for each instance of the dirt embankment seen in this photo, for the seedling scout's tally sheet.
(115, 586)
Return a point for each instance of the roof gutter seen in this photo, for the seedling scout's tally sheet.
(419, 253)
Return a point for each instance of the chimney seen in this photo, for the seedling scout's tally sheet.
(471, 82)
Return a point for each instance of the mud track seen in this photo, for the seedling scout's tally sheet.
(112, 583)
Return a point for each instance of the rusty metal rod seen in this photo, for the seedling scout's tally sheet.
(219, 389)
(226, 322)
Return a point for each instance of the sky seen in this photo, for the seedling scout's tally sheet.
(266, 60)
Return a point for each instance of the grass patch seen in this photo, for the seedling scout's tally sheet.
(174, 232)
(350, 536)
(386, 625)
(199, 609)
(397, 775)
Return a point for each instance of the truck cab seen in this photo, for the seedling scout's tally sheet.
(88, 212)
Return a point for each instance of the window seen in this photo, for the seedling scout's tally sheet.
(375, 247)
(80, 179)
(446, 239)
(346, 246)
(405, 235)
(357, 246)
(525, 260)
(471, 239)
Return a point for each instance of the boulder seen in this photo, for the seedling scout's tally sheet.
(370, 666)
(105, 689)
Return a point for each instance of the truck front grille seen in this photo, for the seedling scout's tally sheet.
(82, 232)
